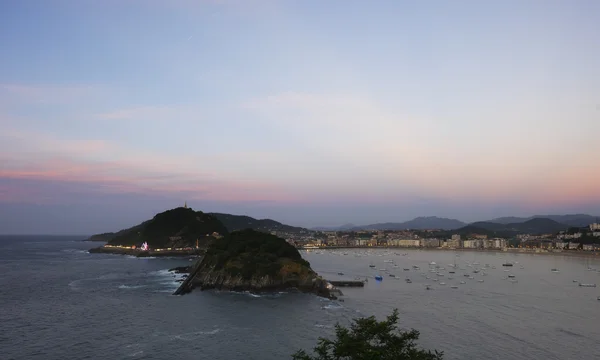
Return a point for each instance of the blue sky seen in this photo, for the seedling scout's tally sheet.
(308, 112)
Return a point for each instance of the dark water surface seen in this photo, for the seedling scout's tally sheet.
(59, 302)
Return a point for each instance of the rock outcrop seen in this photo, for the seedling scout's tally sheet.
(257, 262)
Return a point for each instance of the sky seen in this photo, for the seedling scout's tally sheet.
(312, 113)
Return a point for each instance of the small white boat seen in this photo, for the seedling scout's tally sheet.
(480, 280)
(454, 287)
(442, 283)
(587, 285)
(463, 282)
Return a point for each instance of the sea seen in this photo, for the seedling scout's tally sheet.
(60, 302)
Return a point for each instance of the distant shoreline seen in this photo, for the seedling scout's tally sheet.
(572, 253)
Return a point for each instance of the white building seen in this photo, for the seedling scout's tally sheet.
(595, 227)
(431, 243)
(470, 244)
(499, 243)
(561, 245)
(409, 243)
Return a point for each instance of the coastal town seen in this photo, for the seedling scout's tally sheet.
(585, 239)
(576, 239)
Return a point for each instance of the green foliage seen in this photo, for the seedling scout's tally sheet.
(181, 222)
(369, 339)
(251, 253)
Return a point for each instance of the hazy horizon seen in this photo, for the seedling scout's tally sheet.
(78, 231)
(309, 113)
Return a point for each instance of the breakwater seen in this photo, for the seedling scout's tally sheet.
(347, 283)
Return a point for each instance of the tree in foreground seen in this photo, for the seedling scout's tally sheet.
(369, 339)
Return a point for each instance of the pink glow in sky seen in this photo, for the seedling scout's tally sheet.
(311, 115)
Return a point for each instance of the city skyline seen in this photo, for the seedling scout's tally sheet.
(311, 114)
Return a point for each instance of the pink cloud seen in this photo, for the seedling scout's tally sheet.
(102, 177)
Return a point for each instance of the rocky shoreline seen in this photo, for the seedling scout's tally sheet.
(204, 277)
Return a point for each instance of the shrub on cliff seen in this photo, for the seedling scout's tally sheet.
(369, 339)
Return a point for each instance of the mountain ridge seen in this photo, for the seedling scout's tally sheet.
(535, 226)
(434, 222)
(418, 223)
(576, 220)
(243, 222)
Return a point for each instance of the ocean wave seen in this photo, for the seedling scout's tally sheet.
(163, 272)
(74, 284)
(332, 307)
(131, 286)
(75, 251)
(195, 335)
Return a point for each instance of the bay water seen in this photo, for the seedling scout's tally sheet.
(60, 302)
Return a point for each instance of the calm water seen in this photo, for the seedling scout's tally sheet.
(59, 302)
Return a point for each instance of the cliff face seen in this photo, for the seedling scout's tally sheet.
(209, 278)
(253, 261)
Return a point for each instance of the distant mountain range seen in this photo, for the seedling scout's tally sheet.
(419, 223)
(576, 220)
(533, 224)
(505, 226)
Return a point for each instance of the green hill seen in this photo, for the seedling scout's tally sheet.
(534, 226)
(179, 227)
(242, 222)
